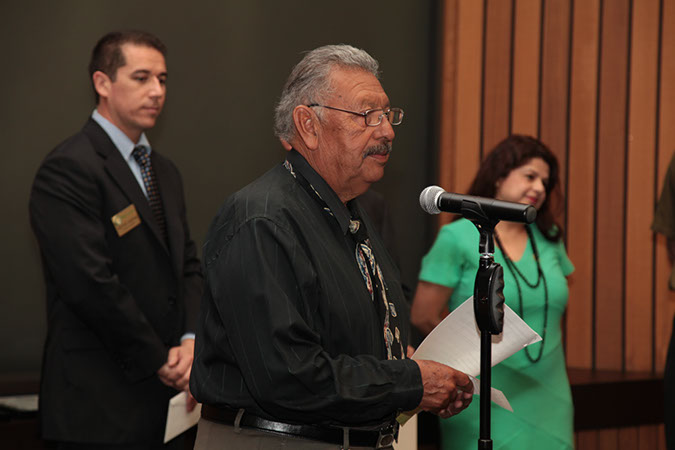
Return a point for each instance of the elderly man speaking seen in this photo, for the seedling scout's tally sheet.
(303, 331)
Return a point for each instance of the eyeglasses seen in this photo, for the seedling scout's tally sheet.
(373, 117)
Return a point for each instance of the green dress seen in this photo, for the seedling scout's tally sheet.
(539, 392)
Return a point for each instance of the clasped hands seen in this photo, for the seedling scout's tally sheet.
(176, 370)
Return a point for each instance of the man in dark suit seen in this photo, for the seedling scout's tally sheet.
(122, 276)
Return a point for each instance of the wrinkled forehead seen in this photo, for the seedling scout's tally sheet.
(356, 88)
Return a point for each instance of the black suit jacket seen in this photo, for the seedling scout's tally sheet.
(115, 304)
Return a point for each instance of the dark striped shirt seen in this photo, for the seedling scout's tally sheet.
(288, 330)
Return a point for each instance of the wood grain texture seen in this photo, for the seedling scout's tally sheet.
(640, 195)
(469, 73)
(581, 181)
(447, 87)
(525, 83)
(497, 72)
(554, 82)
(611, 184)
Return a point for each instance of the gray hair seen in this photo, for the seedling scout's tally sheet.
(309, 82)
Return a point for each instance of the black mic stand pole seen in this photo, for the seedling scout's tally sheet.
(488, 307)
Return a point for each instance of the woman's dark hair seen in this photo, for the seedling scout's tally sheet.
(511, 153)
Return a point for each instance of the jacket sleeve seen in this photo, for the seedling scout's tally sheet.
(193, 280)
(66, 215)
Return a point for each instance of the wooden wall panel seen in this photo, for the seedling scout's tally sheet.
(649, 438)
(469, 86)
(581, 180)
(554, 81)
(461, 65)
(610, 192)
(595, 80)
(608, 440)
(629, 438)
(526, 49)
(640, 195)
(661, 437)
(497, 72)
(665, 299)
(447, 92)
(587, 440)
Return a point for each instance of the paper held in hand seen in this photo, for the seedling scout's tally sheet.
(455, 342)
(178, 419)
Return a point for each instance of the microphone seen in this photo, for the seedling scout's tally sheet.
(434, 199)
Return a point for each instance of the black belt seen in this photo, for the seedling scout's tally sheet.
(332, 435)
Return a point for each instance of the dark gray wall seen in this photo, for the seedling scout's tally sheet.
(227, 62)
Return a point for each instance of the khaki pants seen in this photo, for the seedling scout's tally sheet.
(216, 436)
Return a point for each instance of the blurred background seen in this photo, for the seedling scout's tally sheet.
(594, 79)
(227, 62)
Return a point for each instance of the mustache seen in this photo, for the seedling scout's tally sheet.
(382, 149)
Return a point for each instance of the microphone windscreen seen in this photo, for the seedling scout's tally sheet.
(429, 199)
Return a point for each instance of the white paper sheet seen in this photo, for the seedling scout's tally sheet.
(178, 419)
(23, 403)
(456, 342)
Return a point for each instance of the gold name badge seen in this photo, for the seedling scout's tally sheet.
(125, 220)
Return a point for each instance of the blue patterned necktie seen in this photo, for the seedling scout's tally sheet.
(141, 156)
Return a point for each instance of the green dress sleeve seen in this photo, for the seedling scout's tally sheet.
(565, 263)
(444, 263)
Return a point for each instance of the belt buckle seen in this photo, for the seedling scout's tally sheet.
(386, 437)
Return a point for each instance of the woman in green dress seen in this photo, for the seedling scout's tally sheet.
(520, 169)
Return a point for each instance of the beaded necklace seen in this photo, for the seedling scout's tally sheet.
(540, 276)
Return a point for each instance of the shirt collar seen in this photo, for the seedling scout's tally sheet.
(117, 136)
(339, 210)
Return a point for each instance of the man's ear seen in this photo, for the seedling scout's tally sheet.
(307, 126)
(285, 144)
(102, 83)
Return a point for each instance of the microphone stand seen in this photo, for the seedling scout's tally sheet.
(488, 306)
(488, 296)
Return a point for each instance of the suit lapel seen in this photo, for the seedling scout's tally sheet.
(119, 171)
(169, 191)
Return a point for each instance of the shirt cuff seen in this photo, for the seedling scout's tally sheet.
(187, 336)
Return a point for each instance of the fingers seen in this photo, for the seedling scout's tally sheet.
(445, 413)
(446, 391)
(164, 374)
(183, 380)
(461, 402)
(410, 351)
(173, 358)
(462, 381)
(191, 402)
(176, 371)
